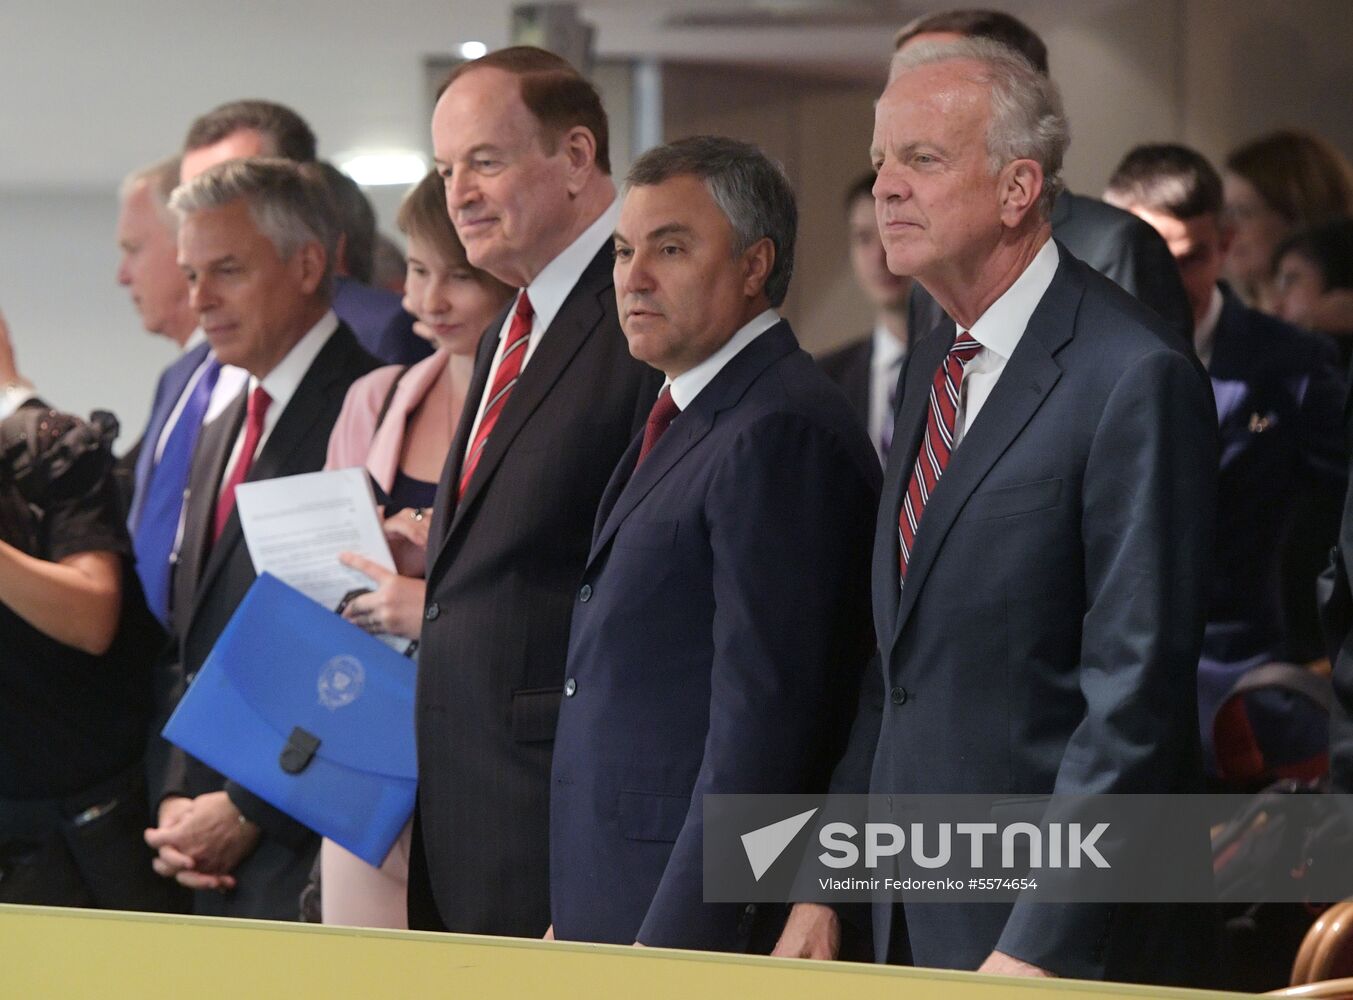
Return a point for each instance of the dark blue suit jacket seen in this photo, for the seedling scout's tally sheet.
(716, 647)
(1048, 634)
(1280, 399)
(379, 322)
(173, 380)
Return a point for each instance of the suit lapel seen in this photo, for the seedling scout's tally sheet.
(204, 482)
(690, 427)
(917, 373)
(570, 328)
(1028, 377)
(296, 428)
(445, 506)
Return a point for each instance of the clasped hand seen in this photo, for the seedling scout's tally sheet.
(200, 842)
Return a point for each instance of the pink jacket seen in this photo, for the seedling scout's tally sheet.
(356, 440)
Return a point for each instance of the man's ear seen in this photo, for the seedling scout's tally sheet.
(311, 260)
(1020, 184)
(580, 146)
(757, 262)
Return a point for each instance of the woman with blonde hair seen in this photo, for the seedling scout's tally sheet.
(398, 423)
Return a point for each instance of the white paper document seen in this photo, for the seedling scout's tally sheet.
(296, 526)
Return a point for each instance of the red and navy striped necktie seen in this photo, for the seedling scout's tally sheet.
(937, 445)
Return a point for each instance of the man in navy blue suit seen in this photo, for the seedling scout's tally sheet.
(1280, 399)
(723, 620)
(1041, 554)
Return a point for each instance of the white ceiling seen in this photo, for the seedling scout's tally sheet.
(93, 90)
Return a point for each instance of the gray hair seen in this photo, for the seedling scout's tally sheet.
(288, 203)
(750, 189)
(159, 180)
(1027, 120)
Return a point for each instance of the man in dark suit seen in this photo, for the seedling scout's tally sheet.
(750, 493)
(1110, 240)
(264, 128)
(1040, 561)
(555, 399)
(1280, 398)
(867, 370)
(256, 242)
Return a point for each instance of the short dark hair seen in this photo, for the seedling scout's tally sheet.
(1300, 175)
(976, 23)
(557, 94)
(1328, 247)
(750, 189)
(286, 131)
(861, 187)
(356, 221)
(1168, 178)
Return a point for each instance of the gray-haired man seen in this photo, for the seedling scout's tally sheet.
(724, 622)
(1040, 562)
(256, 243)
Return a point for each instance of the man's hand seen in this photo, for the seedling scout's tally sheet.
(395, 606)
(998, 963)
(201, 844)
(812, 931)
(549, 933)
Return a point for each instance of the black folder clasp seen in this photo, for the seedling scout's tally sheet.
(299, 751)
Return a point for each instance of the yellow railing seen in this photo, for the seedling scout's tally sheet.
(52, 954)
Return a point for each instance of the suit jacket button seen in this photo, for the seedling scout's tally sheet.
(570, 688)
(585, 594)
(433, 610)
(899, 695)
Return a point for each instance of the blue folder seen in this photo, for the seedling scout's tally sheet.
(309, 713)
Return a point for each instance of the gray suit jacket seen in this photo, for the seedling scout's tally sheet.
(1047, 636)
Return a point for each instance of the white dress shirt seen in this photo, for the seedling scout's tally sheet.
(281, 384)
(689, 384)
(885, 362)
(1205, 334)
(228, 386)
(547, 293)
(999, 330)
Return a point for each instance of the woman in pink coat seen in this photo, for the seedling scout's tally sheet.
(398, 423)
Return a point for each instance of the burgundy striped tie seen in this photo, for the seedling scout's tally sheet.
(937, 444)
(509, 370)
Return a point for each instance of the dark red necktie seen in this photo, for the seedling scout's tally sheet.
(509, 370)
(663, 412)
(937, 444)
(253, 431)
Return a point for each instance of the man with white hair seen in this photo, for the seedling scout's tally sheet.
(1039, 571)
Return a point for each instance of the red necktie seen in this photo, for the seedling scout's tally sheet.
(937, 444)
(663, 413)
(253, 431)
(509, 370)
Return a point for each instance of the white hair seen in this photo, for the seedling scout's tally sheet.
(1027, 120)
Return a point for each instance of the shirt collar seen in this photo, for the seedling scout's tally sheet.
(194, 338)
(888, 350)
(686, 386)
(1205, 334)
(552, 285)
(282, 382)
(1000, 328)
